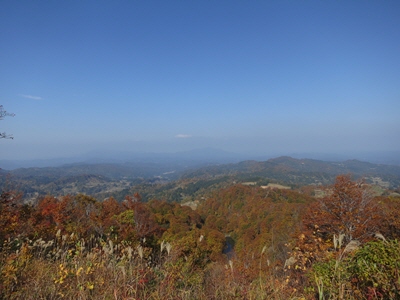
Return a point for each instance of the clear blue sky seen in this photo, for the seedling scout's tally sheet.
(255, 77)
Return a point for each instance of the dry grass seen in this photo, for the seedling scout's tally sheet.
(68, 267)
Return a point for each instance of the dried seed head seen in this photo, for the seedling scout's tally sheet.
(140, 251)
(162, 246)
(341, 237)
(350, 247)
(290, 261)
(130, 250)
(231, 265)
(263, 249)
(168, 246)
(380, 236)
(111, 246)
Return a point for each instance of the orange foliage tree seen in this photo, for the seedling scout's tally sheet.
(347, 213)
(390, 223)
(348, 209)
(258, 223)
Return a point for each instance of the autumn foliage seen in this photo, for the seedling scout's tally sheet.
(333, 229)
(348, 211)
(242, 242)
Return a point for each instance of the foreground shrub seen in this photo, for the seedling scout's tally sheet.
(371, 273)
(376, 270)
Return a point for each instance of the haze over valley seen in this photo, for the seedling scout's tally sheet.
(182, 177)
(200, 150)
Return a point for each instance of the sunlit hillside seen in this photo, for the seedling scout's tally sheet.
(239, 242)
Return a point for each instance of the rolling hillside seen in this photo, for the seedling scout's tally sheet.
(178, 182)
(299, 172)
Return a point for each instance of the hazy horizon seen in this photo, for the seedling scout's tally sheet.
(258, 78)
(192, 157)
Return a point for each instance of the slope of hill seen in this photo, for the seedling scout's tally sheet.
(182, 181)
(98, 179)
(303, 171)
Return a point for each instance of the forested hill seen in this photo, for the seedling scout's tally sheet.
(182, 182)
(303, 171)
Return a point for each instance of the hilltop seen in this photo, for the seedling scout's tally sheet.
(176, 180)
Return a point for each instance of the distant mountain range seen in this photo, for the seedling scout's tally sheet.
(191, 158)
(179, 177)
(302, 171)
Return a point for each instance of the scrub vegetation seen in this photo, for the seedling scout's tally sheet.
(241, 242)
